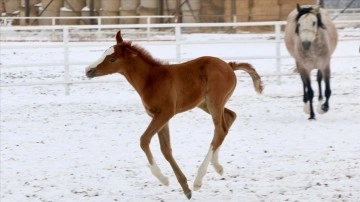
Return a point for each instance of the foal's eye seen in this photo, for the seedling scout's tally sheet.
(112, 60)
(314, 23)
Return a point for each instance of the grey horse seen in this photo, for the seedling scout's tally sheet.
(311, 38)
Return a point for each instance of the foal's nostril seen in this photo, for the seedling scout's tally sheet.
(89, 72)
(306, 45)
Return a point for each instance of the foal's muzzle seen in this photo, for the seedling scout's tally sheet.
(90, 72)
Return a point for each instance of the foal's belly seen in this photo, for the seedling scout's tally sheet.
(189, 102)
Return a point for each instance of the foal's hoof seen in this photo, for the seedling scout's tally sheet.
(164, 181)
(188, 195)
(219, 169)
(197, 186)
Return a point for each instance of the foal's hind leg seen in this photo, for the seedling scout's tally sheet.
(164, 139)
(229, 117)
(222, 120)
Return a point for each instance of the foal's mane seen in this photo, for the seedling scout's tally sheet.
(305, 10)
(143, 53)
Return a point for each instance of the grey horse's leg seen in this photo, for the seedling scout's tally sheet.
(325, 106)
(319, 79)
(308, 92)
(305, 96)
(305, 99)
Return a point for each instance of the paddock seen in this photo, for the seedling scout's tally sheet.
(85, 146)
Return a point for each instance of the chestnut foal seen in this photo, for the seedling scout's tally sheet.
(166, 90)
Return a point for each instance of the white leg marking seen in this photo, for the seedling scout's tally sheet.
(155, 170)
(202, 169)
(215, 161)
(307, 108)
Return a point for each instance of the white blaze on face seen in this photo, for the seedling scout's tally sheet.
(109, 51)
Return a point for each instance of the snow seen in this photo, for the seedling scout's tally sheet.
(85, 147)
(65, 9)
(85, 9)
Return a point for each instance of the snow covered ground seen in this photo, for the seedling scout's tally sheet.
(85, 147)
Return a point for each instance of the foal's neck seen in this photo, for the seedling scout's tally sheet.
(138, 73)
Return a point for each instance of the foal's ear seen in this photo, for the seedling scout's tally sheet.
(298, 7)
(118, 37)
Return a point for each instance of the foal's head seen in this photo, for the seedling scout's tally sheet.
(113, 60)
(308, 21)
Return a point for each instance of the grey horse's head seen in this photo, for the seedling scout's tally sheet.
(308, 21)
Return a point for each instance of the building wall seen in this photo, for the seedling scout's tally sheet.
(209, 10)
(341, 4)
(260, 10)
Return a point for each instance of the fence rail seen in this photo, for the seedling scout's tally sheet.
(7, 20)
(177, 41)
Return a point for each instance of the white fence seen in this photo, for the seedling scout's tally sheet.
(178, 29)
(147, 19)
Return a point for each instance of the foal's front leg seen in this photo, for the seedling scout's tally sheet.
(158, 121)
(164, 139)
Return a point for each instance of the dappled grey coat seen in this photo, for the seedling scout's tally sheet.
(321, 49)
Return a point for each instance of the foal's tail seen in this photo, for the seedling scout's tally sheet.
(258, 84)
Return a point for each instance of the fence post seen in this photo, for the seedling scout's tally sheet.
(278, 52)
(178, 42)
(66, 58)
(148, 21)
(99, 23)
